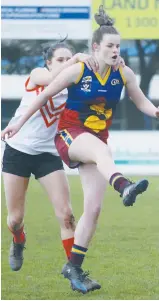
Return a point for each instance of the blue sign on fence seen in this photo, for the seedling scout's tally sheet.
(45, 12)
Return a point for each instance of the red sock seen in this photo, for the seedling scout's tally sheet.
(18, 235)
(67, 244)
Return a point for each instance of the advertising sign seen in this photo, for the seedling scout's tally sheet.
(45, 19)
(134, 152)
(135, 19)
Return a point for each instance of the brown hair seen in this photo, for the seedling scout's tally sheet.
(105, 26)
(48, 50)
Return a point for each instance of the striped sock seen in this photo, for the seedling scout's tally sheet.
(77, 255)
(67, 244)
(118, 181)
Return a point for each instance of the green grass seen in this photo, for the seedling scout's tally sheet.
(123, 256)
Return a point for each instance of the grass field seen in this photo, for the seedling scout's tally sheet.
(123, 256)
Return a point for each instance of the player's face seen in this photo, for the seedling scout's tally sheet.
(61, 55)
(109, 49)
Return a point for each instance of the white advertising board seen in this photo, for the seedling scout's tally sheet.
(41, 19)
(134, 152)
(12, 93)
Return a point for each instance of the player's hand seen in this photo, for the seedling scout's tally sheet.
(120, 63)
(157, 112)
(10, 131)
(89, 60)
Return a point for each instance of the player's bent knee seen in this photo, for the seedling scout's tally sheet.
(66, 217)
(94, 212)
(14, 221)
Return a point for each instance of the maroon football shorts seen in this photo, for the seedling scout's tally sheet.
(64, 139)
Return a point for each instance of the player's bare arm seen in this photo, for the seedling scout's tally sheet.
(137, 96)
(62, 81)
(43, 77)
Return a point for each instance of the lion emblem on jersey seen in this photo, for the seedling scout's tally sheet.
(97, 117)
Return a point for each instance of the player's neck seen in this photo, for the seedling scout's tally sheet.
(103, 68)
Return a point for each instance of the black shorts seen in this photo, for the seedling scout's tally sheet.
(23, 165)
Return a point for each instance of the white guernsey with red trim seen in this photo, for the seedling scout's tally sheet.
(37, 134)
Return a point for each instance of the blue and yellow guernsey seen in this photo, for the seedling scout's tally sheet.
(92, 100)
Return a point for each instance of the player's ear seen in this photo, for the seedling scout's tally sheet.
(95, 47)
(48, 63)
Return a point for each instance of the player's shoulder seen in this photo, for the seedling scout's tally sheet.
(38, 70)
(77, 66)
(128, 73)
(127, 70)
(74, 72)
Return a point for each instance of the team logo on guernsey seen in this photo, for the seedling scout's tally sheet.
(115, 82)
(86, 87)
(87, 79)
(97, 117)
